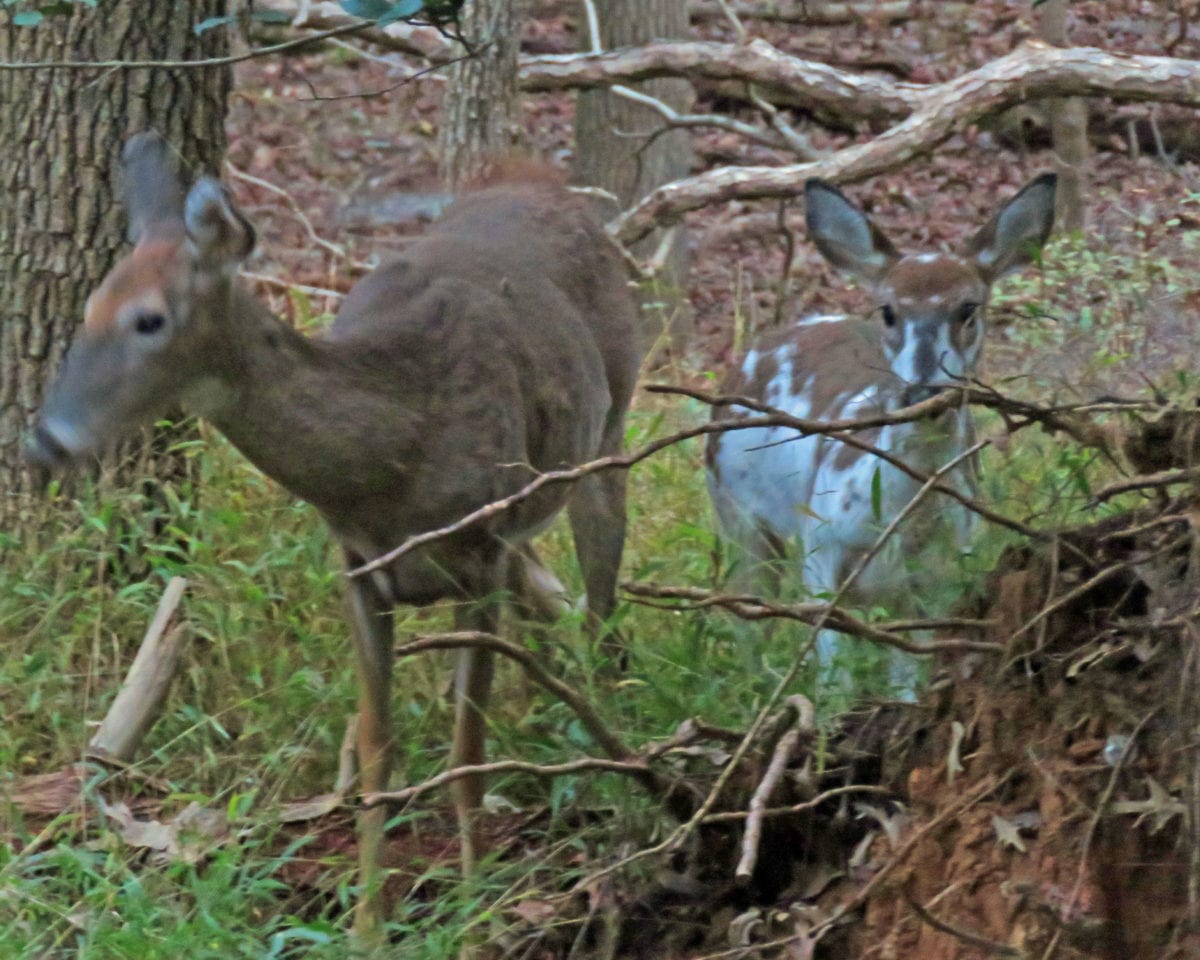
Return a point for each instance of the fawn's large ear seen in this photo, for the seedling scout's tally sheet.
(844, 234)
(151, 185)
(1018, 231)
(219, 235)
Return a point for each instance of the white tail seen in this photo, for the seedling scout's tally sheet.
(501, 345)
(823, 501)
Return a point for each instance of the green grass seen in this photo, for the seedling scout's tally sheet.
(258, 711)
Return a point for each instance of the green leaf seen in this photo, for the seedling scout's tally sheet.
(209, 23)
(877, 494)
(367, 9)
(401, 10)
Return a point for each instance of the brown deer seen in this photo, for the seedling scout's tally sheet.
(502, 344)
(821, 502)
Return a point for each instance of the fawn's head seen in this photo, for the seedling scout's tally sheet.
(156, 328)
(931, 305)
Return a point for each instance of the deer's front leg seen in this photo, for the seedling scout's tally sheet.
(372, 622)
(472, 685)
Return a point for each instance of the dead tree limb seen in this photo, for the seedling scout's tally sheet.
(1032, 71)
(829, 14)
(145, 689)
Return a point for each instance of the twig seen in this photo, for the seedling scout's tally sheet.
(207, 63)
(282, 284)
(336, 249)
(636, 769)
(966, 936)
(832, 617)
(758, 802)
(1149, 481)
(733, 816)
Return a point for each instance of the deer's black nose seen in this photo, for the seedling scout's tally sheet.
(45, 450)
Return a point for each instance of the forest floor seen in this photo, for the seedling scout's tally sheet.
(1037, 804)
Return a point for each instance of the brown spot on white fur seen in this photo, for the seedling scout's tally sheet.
(137, 282)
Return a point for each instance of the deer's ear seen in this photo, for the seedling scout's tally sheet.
(219, 235)
(844, 234)
(151, 185)
(1018, 231)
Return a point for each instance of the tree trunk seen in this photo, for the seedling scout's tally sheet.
(631, 166)
(481, 118)
(1068, 129)
(61, 225)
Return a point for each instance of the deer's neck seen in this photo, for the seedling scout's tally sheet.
(306, 413)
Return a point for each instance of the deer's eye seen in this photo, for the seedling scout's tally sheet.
(889, 315)
(967, 311)
(149, 323)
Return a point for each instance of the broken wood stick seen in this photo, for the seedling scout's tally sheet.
(140, 699)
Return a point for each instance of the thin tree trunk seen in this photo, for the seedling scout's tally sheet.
(61, 226)
(481, 119)
(620, 145)
(1068, 128)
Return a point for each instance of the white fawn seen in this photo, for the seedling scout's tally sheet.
(502, 344)
(818, 504)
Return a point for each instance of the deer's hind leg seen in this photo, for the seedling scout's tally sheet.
(372, 623)
(472, 690)
(597, 514)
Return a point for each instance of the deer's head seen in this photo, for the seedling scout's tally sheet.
(931, 305)
(156, 328)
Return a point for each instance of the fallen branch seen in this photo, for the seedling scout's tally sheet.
(1032, 71)
(830, 14)
(966, 936)
(784, 749)
(140, 699)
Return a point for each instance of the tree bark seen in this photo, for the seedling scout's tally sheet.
(1032, 71)
(607, 156)
(481, 119)
(61, 225)
(1068, 128)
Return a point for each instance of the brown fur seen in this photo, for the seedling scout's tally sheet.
(138, 279)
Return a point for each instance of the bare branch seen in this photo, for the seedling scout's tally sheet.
(608, 741)
(210, 62)
(831, 617)
(1149, 481)
(966, 936)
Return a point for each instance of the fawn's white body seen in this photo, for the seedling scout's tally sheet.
(822, 503)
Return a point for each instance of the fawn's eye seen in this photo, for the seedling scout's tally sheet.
(148, 323)
(889, 315)
(967, 312)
